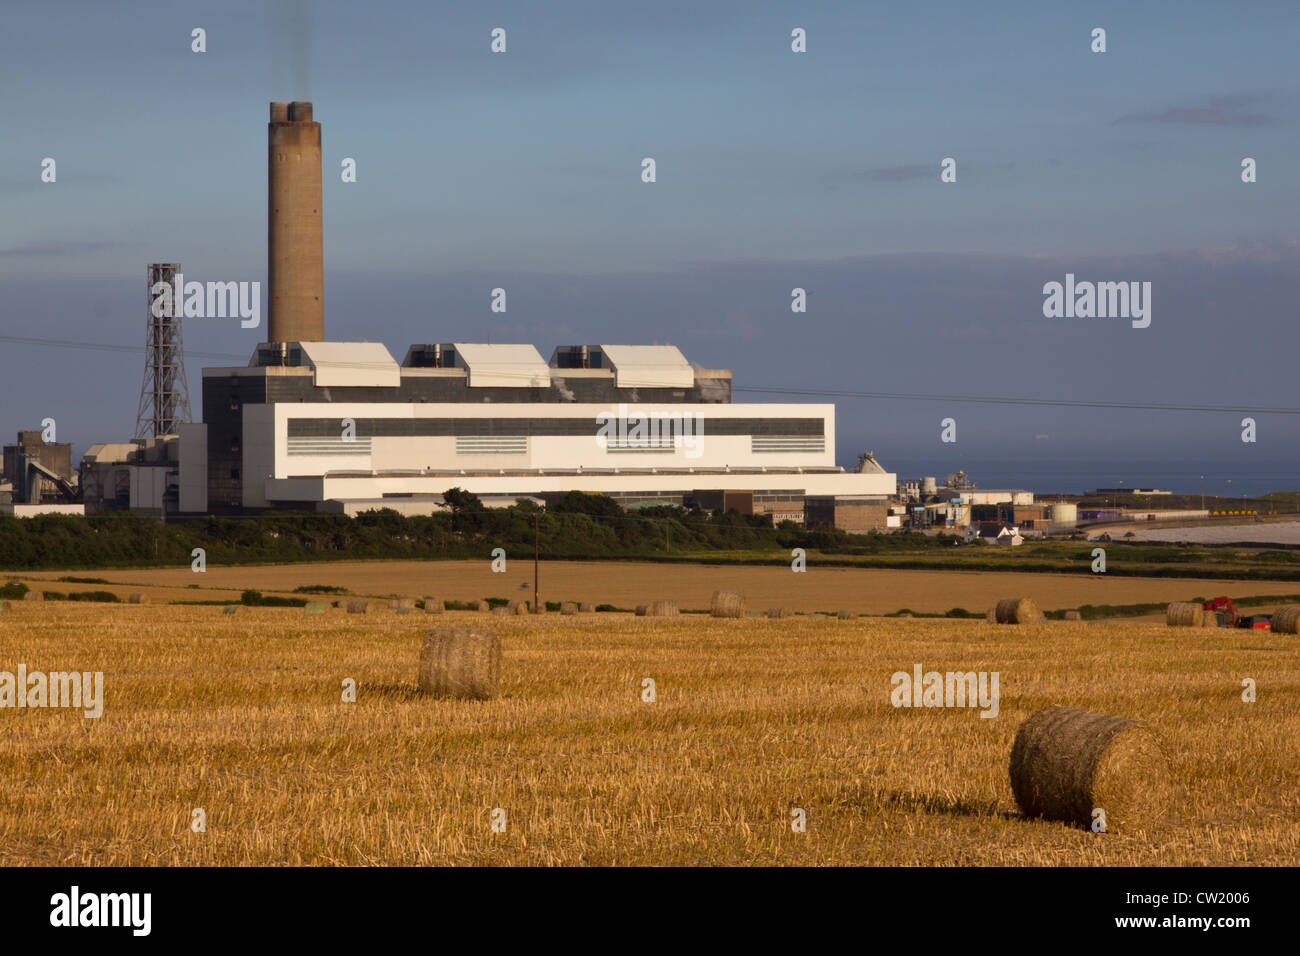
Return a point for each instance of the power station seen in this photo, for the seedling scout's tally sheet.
(310, 424)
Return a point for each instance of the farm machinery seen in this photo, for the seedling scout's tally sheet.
(1225, 610)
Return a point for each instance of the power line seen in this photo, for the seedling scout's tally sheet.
(527, 377)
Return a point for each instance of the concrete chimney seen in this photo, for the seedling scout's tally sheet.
(294, 243)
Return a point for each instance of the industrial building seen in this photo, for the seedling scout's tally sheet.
(37, 477)
(341, 426)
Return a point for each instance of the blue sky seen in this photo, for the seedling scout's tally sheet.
(775, 170)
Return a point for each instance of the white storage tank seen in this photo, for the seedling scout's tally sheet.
(1063, 512)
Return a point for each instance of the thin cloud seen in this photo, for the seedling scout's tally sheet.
(59, 247)
(1231, 110)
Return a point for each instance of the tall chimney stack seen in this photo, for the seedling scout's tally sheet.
(294, 243)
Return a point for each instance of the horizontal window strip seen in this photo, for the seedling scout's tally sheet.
(446, 427)
(645, 443)
(491, 445)
(328, 446)
(786, 443)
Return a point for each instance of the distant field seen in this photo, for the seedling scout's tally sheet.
(241, 715)
(626, 584)
(1265, 533)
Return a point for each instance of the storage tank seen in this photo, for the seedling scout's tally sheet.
(1063, 512)
(928, 486)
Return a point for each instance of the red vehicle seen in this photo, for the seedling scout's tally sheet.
(1226, 611)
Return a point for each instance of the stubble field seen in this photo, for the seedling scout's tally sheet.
(242, 716)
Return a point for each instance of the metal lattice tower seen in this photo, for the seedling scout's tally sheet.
(164, 393)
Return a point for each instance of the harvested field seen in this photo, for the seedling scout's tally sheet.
(627, 584)
(242, 716)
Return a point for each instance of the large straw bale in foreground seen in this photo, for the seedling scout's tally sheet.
(1286, 619)
(1067, 761)
(1017, 610)
(461, 662)
(727, 604)
(1188, 614)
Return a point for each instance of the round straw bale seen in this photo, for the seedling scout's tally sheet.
(727, 604)
(139, 597)
(230, 609)
(433, 605)
(34, 596)
(568, 609)
(502, 611)
(358, 607)
(585, 608)
(461, 662)
(1286, 619)
(778, 612)
(1073, 616)
(844, 615)
(991, 615)
(663, 609)
(398, 604)
(1017, 610)
(482, 606)
(1067, 762)
(517, 607)
(315, 607)
(642, 610)
(1185, 614)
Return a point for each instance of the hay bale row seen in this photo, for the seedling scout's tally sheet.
(1189, 614)
(1286, 619)
(1017, 610)
(358, 607)
(774, 612)
(433, 606)
(139, 597)
(461, 662)
(727, 604)
(315, 607)
(568, 609)
(1067, 761)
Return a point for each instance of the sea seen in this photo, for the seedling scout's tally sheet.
(1223, 476)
